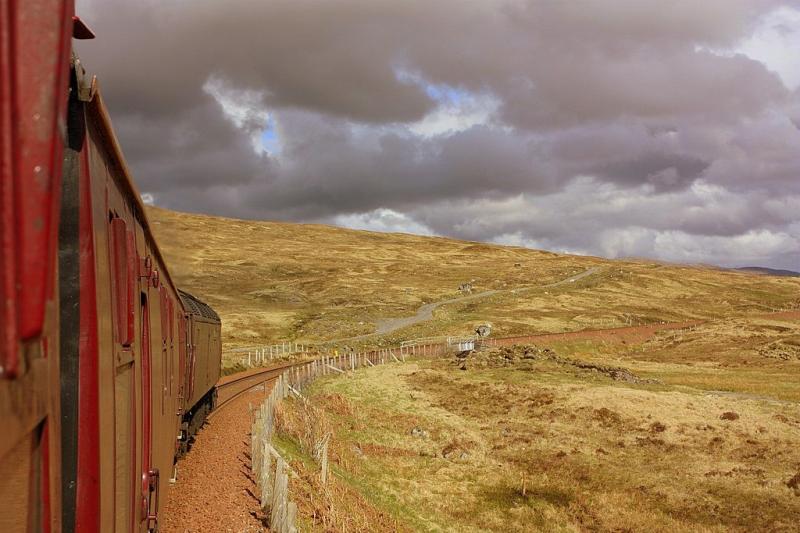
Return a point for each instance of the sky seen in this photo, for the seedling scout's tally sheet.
(619, 128)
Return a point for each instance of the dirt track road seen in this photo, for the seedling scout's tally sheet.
(425, 313)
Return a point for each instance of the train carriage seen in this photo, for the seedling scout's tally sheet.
(202, 367)
(103, 363)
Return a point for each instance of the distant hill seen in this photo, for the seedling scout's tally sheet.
(274, 281)
(770, 271)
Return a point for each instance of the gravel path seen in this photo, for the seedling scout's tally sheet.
(425, 313)
(214, 491)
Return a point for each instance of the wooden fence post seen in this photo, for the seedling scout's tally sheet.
(278, 494)
(324, 461)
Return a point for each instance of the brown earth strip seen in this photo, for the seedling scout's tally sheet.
(789, 315)
(214, 491)
(626, 334)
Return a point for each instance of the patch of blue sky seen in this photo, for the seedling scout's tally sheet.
(447, 94)
(270, 140)
(441, 92)
(457, 108)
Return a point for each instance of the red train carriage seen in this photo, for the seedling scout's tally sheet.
(102, 363)
(34, 68)
(124, 338)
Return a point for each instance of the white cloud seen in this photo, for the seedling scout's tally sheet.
(705, 223)
(520, 239)
(383, 220)
(458, 109)
(751, 247)
(452, 117)
(245, 110)
(775, 42)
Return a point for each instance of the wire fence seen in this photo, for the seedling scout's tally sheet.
(255, 357)
(270, 469)
(258, 355)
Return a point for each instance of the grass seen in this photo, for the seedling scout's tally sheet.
(274, 281)
(702, 436)
(548, 444)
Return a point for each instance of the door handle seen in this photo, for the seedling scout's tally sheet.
(153, 490)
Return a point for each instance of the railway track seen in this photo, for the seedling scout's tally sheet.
(229, 387)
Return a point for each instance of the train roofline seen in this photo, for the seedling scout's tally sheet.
(96, 109)
(199, 307)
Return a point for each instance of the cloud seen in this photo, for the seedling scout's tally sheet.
(383, 220)
(776, 43)
(704, 223)
(679, 246)
(610, 127)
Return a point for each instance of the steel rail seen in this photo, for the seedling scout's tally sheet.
(233, 386)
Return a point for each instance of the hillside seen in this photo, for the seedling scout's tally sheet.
(273, 281)
(770, 271)
(649, 429)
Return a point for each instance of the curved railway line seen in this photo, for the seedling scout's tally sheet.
(234, 385)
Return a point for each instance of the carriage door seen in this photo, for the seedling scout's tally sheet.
(123, 258)
(149, 496)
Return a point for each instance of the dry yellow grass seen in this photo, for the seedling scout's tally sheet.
(515, 444)
(543, 444)
(275, 281)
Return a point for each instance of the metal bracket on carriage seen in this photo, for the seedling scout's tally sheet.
(145, 267)
(87, 85)
(147, 272)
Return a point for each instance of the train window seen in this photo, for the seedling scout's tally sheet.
(123, 274)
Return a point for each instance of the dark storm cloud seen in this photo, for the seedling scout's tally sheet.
(325, 169)
(679, 83)
(633, 115)
(192, 153)
(330, 57)
(663, 171)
